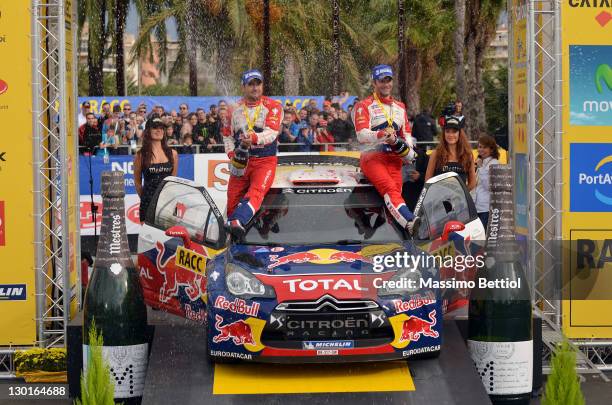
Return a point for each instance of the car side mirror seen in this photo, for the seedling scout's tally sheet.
(452, 226)
(178, 231)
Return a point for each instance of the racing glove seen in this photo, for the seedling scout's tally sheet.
(239, 161)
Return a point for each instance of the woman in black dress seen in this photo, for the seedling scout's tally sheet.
(154, 161)
(453, 154)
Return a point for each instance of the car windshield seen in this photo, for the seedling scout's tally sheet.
(333, 215)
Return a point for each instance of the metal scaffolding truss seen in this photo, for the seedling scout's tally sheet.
(545, 127)
(50, 171)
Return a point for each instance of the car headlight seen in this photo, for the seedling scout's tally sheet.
(403, 282)
(242, 283)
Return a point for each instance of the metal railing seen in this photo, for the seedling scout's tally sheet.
(282, 147)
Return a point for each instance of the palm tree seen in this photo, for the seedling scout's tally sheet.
(481, 22)
(401, 29)
(336, 46)
(459, 37)
(93, 12)
(120, 12)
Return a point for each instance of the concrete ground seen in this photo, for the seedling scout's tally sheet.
(596, 391)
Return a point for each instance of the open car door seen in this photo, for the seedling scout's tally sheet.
(450, 229)
(183, 230)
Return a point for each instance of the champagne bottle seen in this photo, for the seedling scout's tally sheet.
(500, 337)
(114, 299)
(240, 161)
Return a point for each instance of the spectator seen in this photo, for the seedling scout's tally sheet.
(488, 155)
(171, 136)
(154, 161)
(159, 110)
(186, 129)
(89, 134)
(142, 111)
(184, 110)
(214, 112)
(109, 139)
(85, 109)
(341, 128)
(187, 148)
(323, 135)
(312, 106)
(453, 154)
(127, 110)
(414, 177)
(308, 134)
(105, 115)
(200, 128)
(213, 126)
(327, 107)
(287, 134)
(303, 116)
(424, 128)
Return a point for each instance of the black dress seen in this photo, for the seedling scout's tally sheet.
(153, 176)
(453, 167)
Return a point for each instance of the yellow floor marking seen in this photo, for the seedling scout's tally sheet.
(310, 378)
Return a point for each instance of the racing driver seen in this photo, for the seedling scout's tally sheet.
(251, 145)
(382, 126)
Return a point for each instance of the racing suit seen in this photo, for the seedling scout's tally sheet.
(382, 163)
(245, 193)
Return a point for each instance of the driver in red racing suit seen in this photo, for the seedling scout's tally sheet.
(251, 145)
(382, 126)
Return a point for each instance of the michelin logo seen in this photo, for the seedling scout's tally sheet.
(331, 344)
(13, 292)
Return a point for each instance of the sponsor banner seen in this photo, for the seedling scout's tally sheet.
(172, 103)
(132, 201)
(590, 270)
(591, 85)
(124, 164)
(587, 148)
(591, 177)
(2, 232)
(212, 170)
(521, 195)
(13, 292)
(237, 306)
(518, 21)
(18, 319)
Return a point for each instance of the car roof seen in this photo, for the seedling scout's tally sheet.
(302, 170)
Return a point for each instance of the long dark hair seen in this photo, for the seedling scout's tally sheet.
(146, 152)
(464, 152)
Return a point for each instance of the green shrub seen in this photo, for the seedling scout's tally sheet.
(38, 359)
(562, 386)
(96, 385)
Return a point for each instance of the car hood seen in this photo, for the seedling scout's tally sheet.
(315, 259)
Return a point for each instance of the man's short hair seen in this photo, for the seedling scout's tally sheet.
(88, 114)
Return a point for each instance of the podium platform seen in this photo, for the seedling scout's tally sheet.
(179, 373)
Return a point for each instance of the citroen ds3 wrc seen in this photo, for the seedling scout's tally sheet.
(304, 283)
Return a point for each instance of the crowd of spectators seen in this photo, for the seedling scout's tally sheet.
(115, 130)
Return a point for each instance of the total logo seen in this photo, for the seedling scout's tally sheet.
(591, 177)
(326, 284)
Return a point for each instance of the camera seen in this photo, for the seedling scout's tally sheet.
(449, 110)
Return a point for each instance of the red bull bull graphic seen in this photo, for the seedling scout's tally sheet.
(414, 327)
(174, 277)
(318, 256)
(239, 332)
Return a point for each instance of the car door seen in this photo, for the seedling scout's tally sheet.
(445, 199)
(183, 230)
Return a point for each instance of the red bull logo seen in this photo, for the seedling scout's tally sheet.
(414, 327)
(318, 256)
(239, 332)
(174, 277)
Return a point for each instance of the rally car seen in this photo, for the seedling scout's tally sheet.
(306, 282)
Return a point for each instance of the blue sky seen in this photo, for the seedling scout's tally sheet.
(133, 23)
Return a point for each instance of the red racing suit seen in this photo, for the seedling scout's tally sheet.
(246, 193)
(379, 163)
